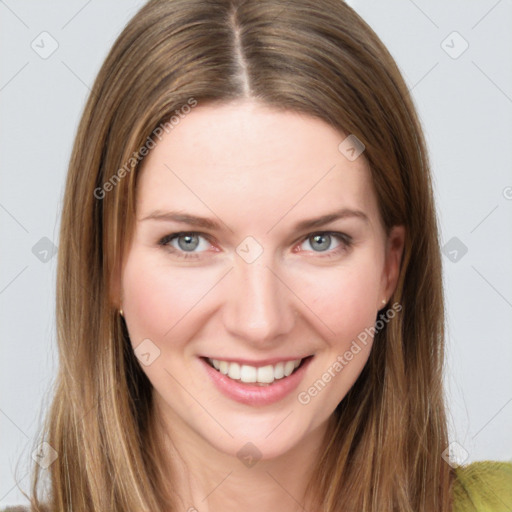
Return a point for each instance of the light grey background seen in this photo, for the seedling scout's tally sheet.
(465, 104)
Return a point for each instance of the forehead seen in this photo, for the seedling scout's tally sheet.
(252, 162)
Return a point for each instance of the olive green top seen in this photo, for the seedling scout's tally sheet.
(484, 486)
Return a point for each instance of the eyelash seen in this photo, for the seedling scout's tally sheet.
(346, 243)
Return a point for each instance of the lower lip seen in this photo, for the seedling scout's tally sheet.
(252, 394)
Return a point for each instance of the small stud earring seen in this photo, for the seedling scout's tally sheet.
(121, 312)
(384, 301)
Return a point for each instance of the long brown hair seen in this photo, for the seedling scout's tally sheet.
(318, 57)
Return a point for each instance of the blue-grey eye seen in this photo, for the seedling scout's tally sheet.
(320, 241)
(188, 242)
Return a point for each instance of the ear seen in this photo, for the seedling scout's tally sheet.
(394, 250)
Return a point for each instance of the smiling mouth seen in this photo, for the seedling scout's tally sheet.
(261, 376)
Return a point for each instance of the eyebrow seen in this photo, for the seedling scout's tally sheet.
(213, 225)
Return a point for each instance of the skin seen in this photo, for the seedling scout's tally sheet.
(257, 171)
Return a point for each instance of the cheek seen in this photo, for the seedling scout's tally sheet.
(157, 297)
(343, 299)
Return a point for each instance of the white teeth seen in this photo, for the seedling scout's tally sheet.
(263, 374)
(266, 374)
(289, 366)
(234, 371)
(279, 371)
(223, 367)
(247, 373)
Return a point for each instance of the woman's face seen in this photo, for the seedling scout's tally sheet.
(230, 261)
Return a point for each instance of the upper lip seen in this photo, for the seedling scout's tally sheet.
(257, 364)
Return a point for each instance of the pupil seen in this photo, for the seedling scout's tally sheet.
(189, 245)
(326, 241)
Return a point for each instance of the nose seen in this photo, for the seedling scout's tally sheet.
(259, 308)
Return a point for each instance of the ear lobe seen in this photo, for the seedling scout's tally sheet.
(394, 251)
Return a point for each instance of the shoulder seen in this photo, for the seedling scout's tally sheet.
(483, 486)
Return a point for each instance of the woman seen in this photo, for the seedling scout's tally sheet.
(250, 307)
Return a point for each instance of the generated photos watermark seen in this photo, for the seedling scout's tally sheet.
(137, 156)
(304, 397)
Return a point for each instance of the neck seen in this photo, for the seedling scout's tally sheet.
(204, 479)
